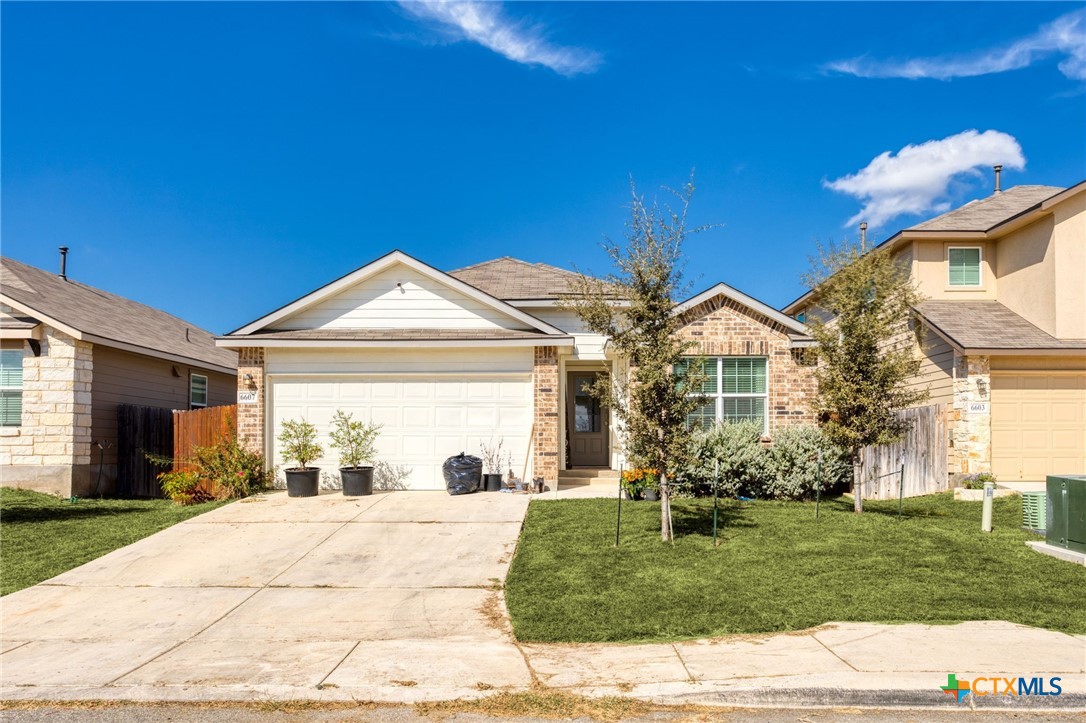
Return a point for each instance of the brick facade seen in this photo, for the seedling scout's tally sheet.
(51, 449)
(724, 327)
(545, 415)
(251, 416)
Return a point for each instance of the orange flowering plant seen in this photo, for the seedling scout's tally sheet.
(636, 481)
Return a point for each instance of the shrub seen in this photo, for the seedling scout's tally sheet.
(742, 459)
(236, 471)
(976, 481)
(793, 463)
(183, 487)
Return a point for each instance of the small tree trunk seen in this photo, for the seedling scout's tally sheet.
(857, 481)
(665, 510)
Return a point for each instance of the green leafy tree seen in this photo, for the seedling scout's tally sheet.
(865, 348)
(634, 307)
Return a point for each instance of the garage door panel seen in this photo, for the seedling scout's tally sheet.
(423, 420)
(1066, 412)
(448, 390)
(1038, 424)
(450, 417)
(416, 417)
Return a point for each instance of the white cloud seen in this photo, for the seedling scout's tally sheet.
(917, 179)
(1065, 36)
(487, 24)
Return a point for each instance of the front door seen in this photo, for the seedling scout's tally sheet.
(586, 420)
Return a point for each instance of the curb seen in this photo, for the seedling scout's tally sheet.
(851, 698)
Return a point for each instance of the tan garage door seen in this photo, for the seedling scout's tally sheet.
(1038, 424)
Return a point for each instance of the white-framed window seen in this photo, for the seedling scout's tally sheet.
(736, 388)
(11, 387)
(197, 391)
(964, 266)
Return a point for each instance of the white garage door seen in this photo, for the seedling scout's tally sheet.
(426, 419)
(1038, 425)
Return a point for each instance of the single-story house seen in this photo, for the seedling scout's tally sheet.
(446, 361)
(1005, 328)
(69, 355)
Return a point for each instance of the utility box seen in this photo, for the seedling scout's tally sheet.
(1066, 512)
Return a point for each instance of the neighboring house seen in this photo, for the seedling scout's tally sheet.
(69, 354)
(1005, 328)
(448, 360)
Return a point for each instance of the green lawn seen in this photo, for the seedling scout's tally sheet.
(777, 568)
(42, 536)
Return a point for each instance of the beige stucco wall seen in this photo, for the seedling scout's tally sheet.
(1026, 263)
(932, 271)
(1070, 268)
(50, 450)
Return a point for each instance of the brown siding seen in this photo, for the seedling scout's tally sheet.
(122, 377)
(722, 327)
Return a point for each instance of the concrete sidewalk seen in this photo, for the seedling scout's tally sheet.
(396, 598)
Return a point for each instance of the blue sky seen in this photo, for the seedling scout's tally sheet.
(219, 160)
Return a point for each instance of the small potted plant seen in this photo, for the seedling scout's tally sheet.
(299, 440)
(492, 465)
(356, 443)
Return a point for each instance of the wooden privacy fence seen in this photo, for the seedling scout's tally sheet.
(924, 450)
(141, 431)
(200, 428)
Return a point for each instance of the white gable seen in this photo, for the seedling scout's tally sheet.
(399, 297)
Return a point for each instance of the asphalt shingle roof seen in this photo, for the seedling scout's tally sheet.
(511, 279)
(986, 213)
(100, 313)
(989, 325)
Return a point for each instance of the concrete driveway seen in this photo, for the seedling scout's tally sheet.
(396, 598)
(389, 596)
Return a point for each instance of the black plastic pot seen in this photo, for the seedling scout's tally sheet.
(492, 482)
(303, 482)
(357, 481)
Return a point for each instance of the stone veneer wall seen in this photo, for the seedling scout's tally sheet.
(51, 450)
(251, 416)
(545, 416)
(970, 448)
(723, 327)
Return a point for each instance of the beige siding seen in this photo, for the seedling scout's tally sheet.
(122, 377)
(936, 370)
(587, 344)
(419, 302)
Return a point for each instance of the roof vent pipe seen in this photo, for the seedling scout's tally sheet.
(998, 169)
(64, 262)
(863, 237)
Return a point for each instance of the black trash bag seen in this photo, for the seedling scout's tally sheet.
(463, 474)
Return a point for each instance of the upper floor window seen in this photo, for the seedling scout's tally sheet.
(735, 389)
(11, 387)
(964, 265)
(197, 391)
